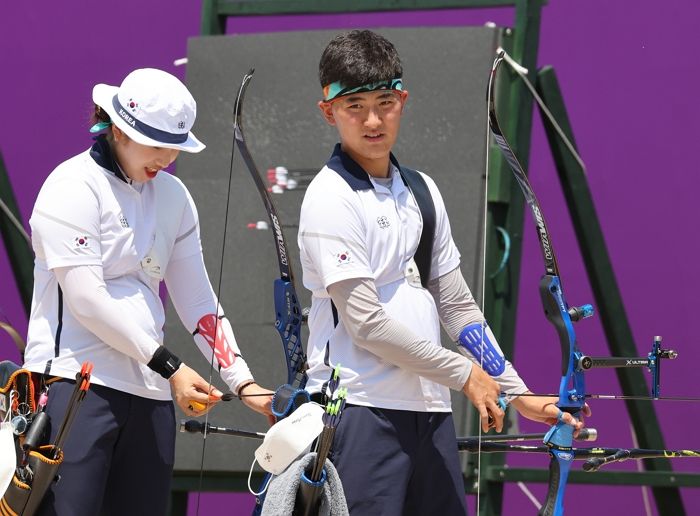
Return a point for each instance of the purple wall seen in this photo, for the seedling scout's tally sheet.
(629, 84)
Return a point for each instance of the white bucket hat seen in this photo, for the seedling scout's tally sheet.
(153, 108)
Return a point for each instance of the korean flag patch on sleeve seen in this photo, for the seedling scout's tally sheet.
(343, 258)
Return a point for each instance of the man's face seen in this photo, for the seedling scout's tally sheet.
(368, 123)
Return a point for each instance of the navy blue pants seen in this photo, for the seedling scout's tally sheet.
(119, 454)
(396, 462)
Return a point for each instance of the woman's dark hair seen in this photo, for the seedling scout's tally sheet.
(99, 115)
(359, 57)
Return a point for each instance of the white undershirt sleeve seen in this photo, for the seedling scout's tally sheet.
(457, 310)
(369, 326)
(85, 293)
(193, 298)
(190, 290)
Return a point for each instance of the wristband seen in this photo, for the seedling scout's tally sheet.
(164, 362)
(240, 389)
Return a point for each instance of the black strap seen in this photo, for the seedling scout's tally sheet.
(57, 337)
(327, 354)
(424, 253)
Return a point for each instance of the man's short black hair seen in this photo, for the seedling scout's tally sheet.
(359, 57)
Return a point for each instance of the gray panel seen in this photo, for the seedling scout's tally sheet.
(443, 134)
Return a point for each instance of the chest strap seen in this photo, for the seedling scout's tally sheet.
(424, 253)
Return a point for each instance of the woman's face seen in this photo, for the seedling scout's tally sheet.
(140, 162)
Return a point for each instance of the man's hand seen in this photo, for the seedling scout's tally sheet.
(187, 387)
(483, 392)
(544, 410)
(259, 399)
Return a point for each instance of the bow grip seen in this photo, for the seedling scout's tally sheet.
(288, 324)
(559, 468)
(572, 386)
(559, 438)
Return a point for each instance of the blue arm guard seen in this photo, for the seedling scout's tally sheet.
(477, 339)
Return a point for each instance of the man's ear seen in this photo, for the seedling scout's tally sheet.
(404, 99)
(327, 111)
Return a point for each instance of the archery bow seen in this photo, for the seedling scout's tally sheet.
(559, 439)
(572, 393)
(288, 318)
(288, 313)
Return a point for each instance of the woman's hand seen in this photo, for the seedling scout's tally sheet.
(192, 393)
(259, 399)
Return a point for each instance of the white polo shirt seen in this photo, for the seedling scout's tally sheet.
(85, 215)
(353, 227)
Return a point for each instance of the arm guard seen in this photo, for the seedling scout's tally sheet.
(215, 333)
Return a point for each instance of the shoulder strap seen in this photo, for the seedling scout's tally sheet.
(424, 253)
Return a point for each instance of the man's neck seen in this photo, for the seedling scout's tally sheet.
(375, 167)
